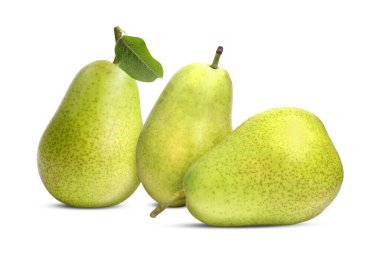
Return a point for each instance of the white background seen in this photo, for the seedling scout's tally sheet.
(323, 56)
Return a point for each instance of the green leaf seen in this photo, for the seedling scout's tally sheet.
(133, 57)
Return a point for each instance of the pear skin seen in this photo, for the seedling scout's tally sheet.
(87, 154)
(279, 167)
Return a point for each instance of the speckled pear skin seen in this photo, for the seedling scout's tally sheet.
(87, 154)
(279, 167)
(192, 115)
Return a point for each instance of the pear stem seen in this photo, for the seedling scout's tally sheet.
(118, 32)
(218, 53)
(180, 195)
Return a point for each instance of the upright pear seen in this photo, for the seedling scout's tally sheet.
(192, 115)
(279, 167)
(87, 154)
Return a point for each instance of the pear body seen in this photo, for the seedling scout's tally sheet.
(192, 114)
(279, 167)
(87, 154)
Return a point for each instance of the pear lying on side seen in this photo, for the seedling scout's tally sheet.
(192, 114)
(87, 154)
(279, 167)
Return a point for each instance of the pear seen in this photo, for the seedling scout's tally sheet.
(192, 115)
(87, 154)
(279, 167)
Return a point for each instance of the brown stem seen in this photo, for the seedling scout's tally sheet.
(218, 53)
(118, 32)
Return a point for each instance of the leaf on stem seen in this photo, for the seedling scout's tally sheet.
(133, 57)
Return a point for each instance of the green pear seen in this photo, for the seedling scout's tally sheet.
(279, 167)
(87, 154)
(192, 115)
